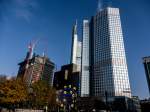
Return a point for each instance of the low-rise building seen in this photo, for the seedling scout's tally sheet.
(66, 82)
(145, 105)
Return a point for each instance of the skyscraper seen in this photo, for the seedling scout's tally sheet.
(76, 49)
(146, 62)
(78, 57)
(85, 60)
(109, 73)
(74, 44)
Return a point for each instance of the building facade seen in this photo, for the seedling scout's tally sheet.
(36, 68)
(76, 49)
(145, 105)
(146, 62)
(109, 73)
(68, 75)
(78, 57)
(85, 78)
(66, 82)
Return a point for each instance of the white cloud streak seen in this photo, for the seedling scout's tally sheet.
(22, 9)
(25, 8)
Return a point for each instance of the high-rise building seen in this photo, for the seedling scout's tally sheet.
(76, 49)
(85, 60)
(109, 73)
(78, 57)
(36, 68)
(146, 62)
(74, 44)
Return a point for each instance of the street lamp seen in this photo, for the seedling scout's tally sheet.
(30, 93)
(64, 100)
(57, 100)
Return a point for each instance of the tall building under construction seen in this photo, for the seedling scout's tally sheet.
(35, 68)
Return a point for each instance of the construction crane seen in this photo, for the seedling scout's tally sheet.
(31, 48)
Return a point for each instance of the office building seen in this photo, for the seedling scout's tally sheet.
(85, 60)
(68, 75)
(76, 49)
(66, 82)
(146, 62)
(145, 105)
(78, 57)
(113, 104)
(109, 72)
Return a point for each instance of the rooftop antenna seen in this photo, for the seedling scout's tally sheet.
(76, 22)
(75, 27)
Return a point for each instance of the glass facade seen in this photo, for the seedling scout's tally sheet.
(74, 44)
(85, 60)
(76, 49)
(78, 57)
(146, 62)
(109, 69)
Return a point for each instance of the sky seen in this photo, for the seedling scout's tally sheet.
(51, 21)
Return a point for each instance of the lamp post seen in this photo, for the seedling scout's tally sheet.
(46, 108)
(30, 93)
(65, 104)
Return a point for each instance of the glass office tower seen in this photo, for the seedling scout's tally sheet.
(109, 73)
(85, 60)
(74, 44)
(76, 48)
(146, 62)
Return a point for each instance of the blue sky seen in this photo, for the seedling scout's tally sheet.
(22, 21)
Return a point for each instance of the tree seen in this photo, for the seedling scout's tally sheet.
(2, 78)
(42, 95)
(12, 92)
(38, 95)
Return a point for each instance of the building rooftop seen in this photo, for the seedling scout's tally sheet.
(146, 59)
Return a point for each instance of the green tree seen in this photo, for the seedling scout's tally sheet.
(43, 95)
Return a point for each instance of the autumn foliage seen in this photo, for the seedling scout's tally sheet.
(12, 92)
(37, 95)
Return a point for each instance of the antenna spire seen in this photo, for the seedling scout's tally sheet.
(75, 27)
(76, 22)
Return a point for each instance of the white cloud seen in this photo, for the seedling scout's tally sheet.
(24, 9)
